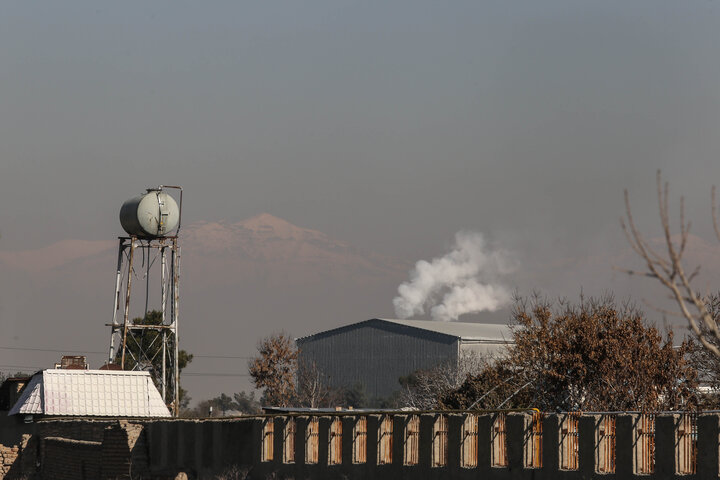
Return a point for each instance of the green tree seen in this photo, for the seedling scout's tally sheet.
(246, 403)
(355, 396)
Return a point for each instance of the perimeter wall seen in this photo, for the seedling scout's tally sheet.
(399, 445)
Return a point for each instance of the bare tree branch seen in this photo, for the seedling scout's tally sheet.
(669, 270)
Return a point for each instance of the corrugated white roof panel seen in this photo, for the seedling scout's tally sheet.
(94, 393)
(31, 398)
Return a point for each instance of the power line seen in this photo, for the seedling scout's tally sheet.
(22, 367)
(32, 349)
(189, 374)
(52, 350)
(222, 356)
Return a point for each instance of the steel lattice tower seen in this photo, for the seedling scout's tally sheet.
(149, 342)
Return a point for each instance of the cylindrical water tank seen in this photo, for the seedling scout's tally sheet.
(153, 214)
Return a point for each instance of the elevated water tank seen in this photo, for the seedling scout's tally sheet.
(153, 214)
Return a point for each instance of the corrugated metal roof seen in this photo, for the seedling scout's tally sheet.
(465, 331)
(94, 393)
(487, 332)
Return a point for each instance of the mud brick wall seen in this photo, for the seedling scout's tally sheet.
(65, 459)
(85, 429)
(13, 428)
(124, 451)
(8, 455)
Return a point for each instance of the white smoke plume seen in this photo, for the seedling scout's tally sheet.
(465, 280)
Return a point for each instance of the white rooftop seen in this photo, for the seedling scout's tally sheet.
(465, 331)
(92, 393)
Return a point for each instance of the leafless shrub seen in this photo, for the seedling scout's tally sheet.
(424, 388)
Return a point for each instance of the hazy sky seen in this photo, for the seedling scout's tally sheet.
(390, 125)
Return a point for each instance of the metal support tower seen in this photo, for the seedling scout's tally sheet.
(150, 343)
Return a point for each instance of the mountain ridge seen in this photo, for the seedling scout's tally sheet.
(262, 238)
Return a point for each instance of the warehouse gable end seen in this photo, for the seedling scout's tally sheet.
(377, 352)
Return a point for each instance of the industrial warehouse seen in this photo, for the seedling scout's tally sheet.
(377, 352)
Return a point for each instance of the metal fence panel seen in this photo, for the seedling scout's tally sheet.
(533, 441)
(289, 442)
(605, 445)
(645, 444)
(469, 447)
(440, 441)
(267, 440)
(312, 441)
(569, 442)
(385, 441)
(335, 442)
(686, 444)
(498, 441)
(360, 441)
(412, 440)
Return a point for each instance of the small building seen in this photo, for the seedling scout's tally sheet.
(10, 391)
(90, 393)
(377, 352)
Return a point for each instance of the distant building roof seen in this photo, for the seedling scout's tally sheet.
(474, 332)
(92, 393)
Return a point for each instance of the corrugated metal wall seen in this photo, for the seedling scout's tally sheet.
(376, 356)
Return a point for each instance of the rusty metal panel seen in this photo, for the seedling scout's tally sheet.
(412, 440)
(469, 439)
(645, 444)
(289, 441)
(605, 445)
(533, 441)
(569, 442)
(385, 441)
(440, 441)
(267, 440)
(312, 441)
(686, 444)
(498, 441)
(360, 441)
(335, 442)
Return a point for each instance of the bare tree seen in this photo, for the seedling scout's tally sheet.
(274, 370)
(667, 266)
(425, 388)
(313, 389)
(593, 355)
